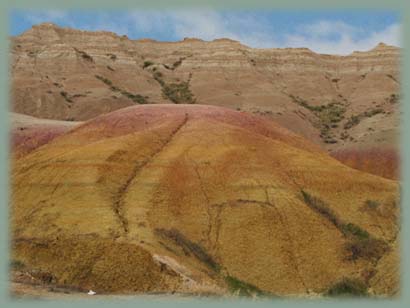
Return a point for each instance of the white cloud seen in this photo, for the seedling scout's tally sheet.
(331, 37)
(347, 40)
(36, 17)
(323, 36)
(204, 24)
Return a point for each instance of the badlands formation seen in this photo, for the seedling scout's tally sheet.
(203, 167)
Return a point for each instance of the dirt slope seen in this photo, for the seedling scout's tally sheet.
(198, 199)
(28, 133)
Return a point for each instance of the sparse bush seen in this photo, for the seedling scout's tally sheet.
(158, 78)
(87, 57)
(347, 288)
(17, 265)
(177, 63)
(147, 64)
(179, 93)
(368, 248)
(189, 247)
(137, 98)
(350, 229)
(242, 288)
(321, 207)
(66, 96)
(84, 55)
(103, 79)
(328, 116)
(371, 204)
(394, 98)
(355, 119)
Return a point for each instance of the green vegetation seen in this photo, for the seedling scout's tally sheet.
(112, 56)
(320, 206)
(158, 78)
(147, 64)
(355, 119)
(136, 98)
(366, 248)
(350, 229)
(360, 244)
(66, 96)
(179, 93)
(394, 98)
(84, 55)
(347, 288)
(328, 116)
(17, 265)
(189, 247)
(243, 288)
(103, 79)
(177, 63)
(371, 204)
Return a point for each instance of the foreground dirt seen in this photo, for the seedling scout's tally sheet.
(200, 200)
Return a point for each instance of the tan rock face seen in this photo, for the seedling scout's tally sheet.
(61, 73)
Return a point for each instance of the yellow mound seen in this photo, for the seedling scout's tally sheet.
(197, 199)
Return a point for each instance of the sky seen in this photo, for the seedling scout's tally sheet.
(330, 32)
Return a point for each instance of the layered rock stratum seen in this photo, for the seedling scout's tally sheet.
(67, 74)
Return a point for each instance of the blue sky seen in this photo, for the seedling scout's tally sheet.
(333, 32)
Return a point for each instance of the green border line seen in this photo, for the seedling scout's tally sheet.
(402, 6)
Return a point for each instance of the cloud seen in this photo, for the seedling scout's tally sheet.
(340, 38)
(36, 17)
(323, 36)
(204, 24)
(253, 29)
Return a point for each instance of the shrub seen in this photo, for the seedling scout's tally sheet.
(87, 57)
(17, 265)
(371, 204)
(135, 97)
(189, 247)
(366, 248)
(179, 93)
(321, 207)
(103, 79)
(66, 96)
(394, 98)
(243, 288)
(158, 78)
(328, 116)
(147, 64)
(355, 119)
(348, 287)
(177, 63)
(350, 229)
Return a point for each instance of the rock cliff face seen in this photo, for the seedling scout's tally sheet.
(337, 102)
